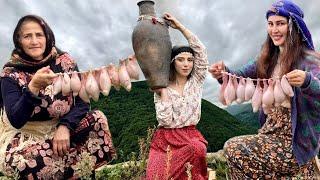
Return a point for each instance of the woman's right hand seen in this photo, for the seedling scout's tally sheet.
(216, 69)
(173, 22)
(42, 78)
(61, 140)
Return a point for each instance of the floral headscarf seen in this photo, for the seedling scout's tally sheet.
(20, 60)
(23, 62)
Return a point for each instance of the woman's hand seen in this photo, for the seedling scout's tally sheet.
(42, 78)
(296, 77)
(61, 140)
(216, 69)
(132, 56)
(173, 22)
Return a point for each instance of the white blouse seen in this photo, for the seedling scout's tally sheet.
(180, 111)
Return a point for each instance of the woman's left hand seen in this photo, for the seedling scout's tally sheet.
(296, 77)
(61, 140)
(173, 22)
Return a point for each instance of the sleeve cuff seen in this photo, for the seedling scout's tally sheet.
(66, 124)
(306, 82)
(30, 97)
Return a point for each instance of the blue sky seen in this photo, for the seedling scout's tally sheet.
(98, 32)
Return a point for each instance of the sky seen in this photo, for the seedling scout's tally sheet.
(98, 32)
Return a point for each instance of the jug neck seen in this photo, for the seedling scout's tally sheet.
(146, 7)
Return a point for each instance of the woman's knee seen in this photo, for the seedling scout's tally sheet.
(229, 143)
(198, 148)
(97, 119)
(232, 146)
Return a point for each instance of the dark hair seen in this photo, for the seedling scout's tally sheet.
(293, 51)
(50, 40)
(175, 51)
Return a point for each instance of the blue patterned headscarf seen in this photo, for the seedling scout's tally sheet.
(288, 9)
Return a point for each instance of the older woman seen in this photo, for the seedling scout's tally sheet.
(289, 136)
(44, 136)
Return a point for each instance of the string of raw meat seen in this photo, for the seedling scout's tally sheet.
(274, 92)
(99, 80)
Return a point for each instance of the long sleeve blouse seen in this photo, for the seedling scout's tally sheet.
(185, 110)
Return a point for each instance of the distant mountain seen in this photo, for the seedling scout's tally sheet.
(238, 108)
(244, 113)
(131, 113)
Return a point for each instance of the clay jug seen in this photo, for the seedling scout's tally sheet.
(152, 46)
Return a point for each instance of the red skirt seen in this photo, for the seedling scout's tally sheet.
(172, 149)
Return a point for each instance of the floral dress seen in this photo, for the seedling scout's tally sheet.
(27, 148)
(267, 155)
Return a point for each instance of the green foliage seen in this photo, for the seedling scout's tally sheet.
(133, 169)
(245, 114)
(217, 126)
(131, 113)
(221, 169)
(218, 162)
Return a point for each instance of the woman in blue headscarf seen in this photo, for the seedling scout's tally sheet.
(287, 141)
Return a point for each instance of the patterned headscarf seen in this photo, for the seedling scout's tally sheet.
(20, 60)
(288, 9)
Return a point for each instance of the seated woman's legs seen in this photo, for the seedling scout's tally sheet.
(169, 155)
(261, 156)
(90, 141)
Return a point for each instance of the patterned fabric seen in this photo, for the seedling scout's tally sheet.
(305, 107)
(23, 62)
(92, 138)
(267, 155)
(172, 149)
(185, 110)
(30, 121)
(288, 9)
(20, 60)
(50, 106)
(177, 142)
(31, 155)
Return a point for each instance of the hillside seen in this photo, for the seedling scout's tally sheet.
(131, 113)
(243, 113)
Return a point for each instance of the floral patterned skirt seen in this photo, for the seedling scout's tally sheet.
(175, 150)
(90, 147)
(267, 155)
